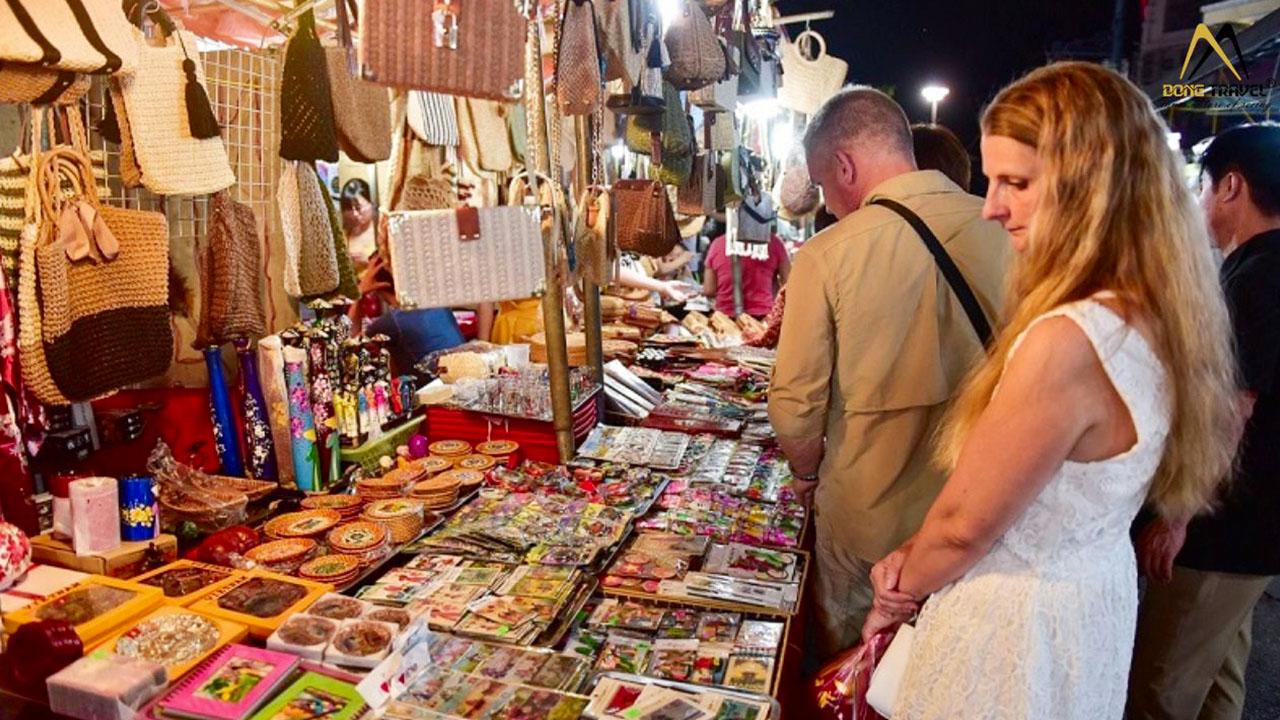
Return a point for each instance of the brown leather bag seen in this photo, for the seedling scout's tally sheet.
(698, 195)
(578, 60)
(477, 50)
(646, 223)
(697, 58)
(230, 270)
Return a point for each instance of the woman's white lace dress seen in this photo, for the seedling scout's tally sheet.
(1042, 627)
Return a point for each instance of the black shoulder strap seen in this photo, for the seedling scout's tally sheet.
(948, 267)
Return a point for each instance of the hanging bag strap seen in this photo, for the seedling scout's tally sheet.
(948, 267)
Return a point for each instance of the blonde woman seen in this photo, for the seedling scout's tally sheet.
(1110, 385)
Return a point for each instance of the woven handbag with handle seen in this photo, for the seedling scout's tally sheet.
(88, 36)
(103, 284)
(432, 117)
(697, 58)
(646, 223)
(318, 272)
(578, 78)
(361, 111)
(308, 129)
(172, 162)
(230, 271)
(446, 258)
(810, 81)
(722, 96)
(475, 50)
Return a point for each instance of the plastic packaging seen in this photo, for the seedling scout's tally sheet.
(185, 493)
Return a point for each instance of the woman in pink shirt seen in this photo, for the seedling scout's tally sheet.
(761, 279)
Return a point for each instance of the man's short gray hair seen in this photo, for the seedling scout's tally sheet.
(859, 113)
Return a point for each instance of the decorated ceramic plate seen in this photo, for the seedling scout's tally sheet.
(390, 509)
(306, 630)
(468, 479)
(280, 551)
(327, 567)
(362, 638)
(354, 537)
(171, 639)
(306, 523)
(498, 448)
(449, 448)
(481, 463)
(341, 503)
(337, 607)
(432, 465)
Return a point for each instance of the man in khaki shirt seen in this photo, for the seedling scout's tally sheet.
(874, 344)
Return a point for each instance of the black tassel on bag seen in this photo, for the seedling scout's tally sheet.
(204, 124)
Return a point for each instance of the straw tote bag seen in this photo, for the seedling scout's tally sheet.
(310, 258)
(485, 134)
(172, 162)
(87, 36)
(478, 52)
(361, 111)
(446, 258)
(230, 270)
(809, 81)
(98, 287)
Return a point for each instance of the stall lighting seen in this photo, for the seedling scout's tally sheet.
(669, 10)
(934, 94)
(782, 138)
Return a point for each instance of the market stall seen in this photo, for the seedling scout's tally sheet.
(255, 466)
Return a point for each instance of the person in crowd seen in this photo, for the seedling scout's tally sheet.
(1194, 621)
(414, 334)
(1111, 384)
(359, 221)
(761, 279)
(873, 345)
(937, 148)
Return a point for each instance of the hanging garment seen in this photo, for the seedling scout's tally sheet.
(274, 392)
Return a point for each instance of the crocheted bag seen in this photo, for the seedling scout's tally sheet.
(230, 270)
(308, 130)
(361, 110)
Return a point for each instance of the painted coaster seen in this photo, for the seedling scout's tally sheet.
(279, 552)
(432, 465)
(479, 463)
(357, 537)
(498, 448)
(333, 569)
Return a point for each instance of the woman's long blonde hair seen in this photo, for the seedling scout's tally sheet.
(1115, 214)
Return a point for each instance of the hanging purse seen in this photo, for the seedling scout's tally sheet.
(485, 135)
(646, 223)
(723, 95)
(667, 139)
(809, 81)
(623, 45)
(318, 265)
(422, 192)
(471, 48)
(230, 271)
(644, 95)
(432, 118)
(594, 247)
(797, 193)
(756, 218)
(308, 129)
(698, 196)
(447, 258)
(697, 59)
(171, 160)
(86, 36)
(361, 111)
(103, 286)
(578, 77)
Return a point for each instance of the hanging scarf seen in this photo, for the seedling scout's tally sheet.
(259, 446)
(302, 424)
(271, 378)
(225, 433)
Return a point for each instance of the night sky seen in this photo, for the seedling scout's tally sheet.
(974, 47)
